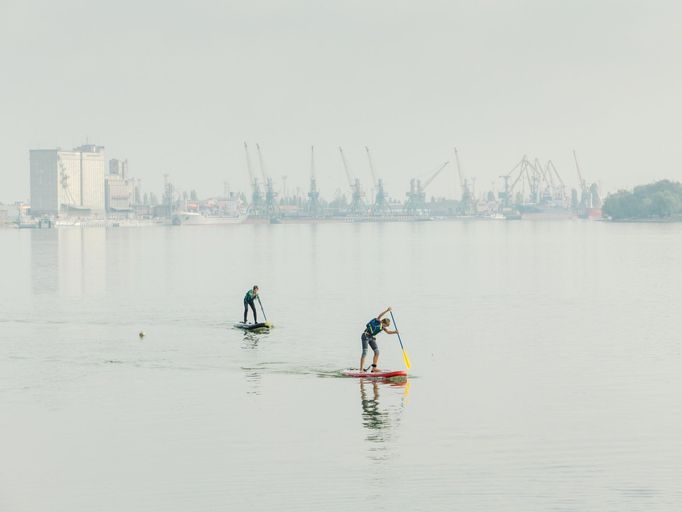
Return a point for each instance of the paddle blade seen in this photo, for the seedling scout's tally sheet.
(407, 360)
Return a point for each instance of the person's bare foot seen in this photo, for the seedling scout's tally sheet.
(374, 370)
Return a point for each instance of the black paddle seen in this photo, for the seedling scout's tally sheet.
(261, 308)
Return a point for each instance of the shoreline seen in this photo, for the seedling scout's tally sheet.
(124, 224)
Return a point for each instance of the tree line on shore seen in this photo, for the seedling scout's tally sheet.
(659, 200)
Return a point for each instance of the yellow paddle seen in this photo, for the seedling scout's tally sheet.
(405, 358)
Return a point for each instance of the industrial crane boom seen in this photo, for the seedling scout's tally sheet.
(261, 164)
(553, 169)
(433, 176)
(345, 167)
(522, 164)
(248, 165)
(371, 166)
(580, 176)
(459, 170)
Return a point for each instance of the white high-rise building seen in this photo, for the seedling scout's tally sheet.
(68, 181)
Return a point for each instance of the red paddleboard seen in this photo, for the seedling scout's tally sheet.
(375, 375)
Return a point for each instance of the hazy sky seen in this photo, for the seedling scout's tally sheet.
(178, 86)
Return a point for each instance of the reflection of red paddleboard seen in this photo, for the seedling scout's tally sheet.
(379, 375)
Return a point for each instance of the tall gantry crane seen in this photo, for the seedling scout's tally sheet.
(168, 195)
(357, 204)
(589, 197)
(256, 205)
(544, 187)
(416, 197)
(527, 175)
(534, 183)
(467, 200)
(270, 194)
(556, 182)
(313, 194)
(380, 199)
(548, 185)
(584, 191)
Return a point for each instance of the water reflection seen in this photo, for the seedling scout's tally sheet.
(68, 261)
(44, 258)
(254, 375)
(254, 379)
(250, 341)
(380, 420)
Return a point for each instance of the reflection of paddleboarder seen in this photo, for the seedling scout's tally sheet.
(249, 299)
(372, 416)
(374, 327)
(378, 420)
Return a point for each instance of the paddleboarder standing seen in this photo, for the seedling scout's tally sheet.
(374, 327)
(249, 299)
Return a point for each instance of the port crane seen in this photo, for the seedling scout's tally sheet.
(168, 195)
(527, 174)
(544, 184)
(505, 196)
(547, 184)
(256, 196)
(270, 194)
(380, 200)
(589, 197)
(357, 204)
(467, 201)
(416, 197)
(584, 192)
(558, 186)
(313, 194)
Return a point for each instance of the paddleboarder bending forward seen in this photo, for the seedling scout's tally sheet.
(249, 298)
(374, 327)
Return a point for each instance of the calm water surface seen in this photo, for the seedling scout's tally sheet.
(546, 368)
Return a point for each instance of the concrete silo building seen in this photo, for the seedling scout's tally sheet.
(68, 182)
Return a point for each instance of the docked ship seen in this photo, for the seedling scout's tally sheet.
(590, 213)
(199, 219)
(547, 209)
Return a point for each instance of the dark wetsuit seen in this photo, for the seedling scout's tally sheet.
(373, 328)
(248, 301)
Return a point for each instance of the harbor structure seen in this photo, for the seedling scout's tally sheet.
(416, 197)
(271, 207)
(314, 206)
(61, 183)
(357, 204)
(468, 200)
(118, 168)
(534, 189)
(590, 203)
(381, 204)
(122, 192)
(256, 206)
(68, 181)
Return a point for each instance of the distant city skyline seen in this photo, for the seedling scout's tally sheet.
(178, 89)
